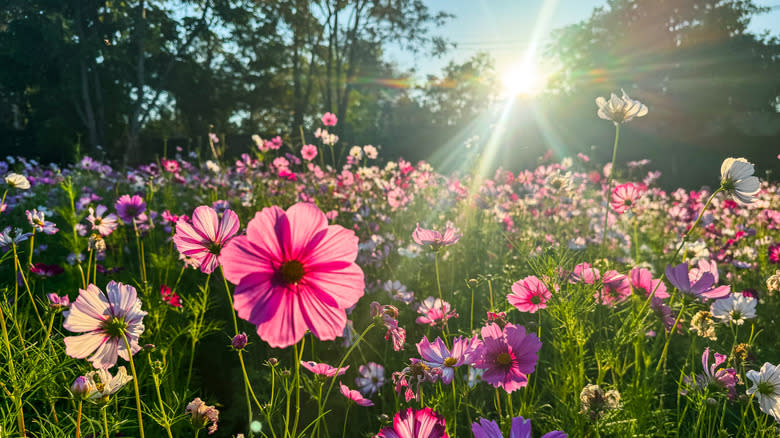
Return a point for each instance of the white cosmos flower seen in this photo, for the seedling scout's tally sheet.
(620, 109)
(736, 177)
(17, 181)
(766, 387)
(106, 385)
(735, 308)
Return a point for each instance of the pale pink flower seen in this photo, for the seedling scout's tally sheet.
(206, 236)
(435, 238)
(294, 273)
(354, 396)
(323, 369)
(309, 152)
(435, 311)
(103, 318)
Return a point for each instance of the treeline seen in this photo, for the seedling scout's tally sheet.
(132, 76)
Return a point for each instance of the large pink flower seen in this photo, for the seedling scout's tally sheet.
(203, 240)
(424, 423)
(294, 273)
(624, 197)
(103, 318)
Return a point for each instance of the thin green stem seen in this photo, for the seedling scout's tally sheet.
(346, 418)
(299, 357)
(27, 286)
(135, 386)
(163, 413)
(609, 183)
(105, 422)
(344, 359)
(11, 368)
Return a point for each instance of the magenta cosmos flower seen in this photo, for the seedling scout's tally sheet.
(508, 356)
(424, 423)
(323, 369)
(615, 289)
(436, 354)
(624, 197)
(642, 279)
(354, 396)
(521, 428)
(103, 318)
(129, 208)
(204, 239)
(294, 273)
(435, 238)
(529, 295)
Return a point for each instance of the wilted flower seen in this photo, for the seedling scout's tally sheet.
(725, 378)
(39, 223)
(388, 316)
(595, 402)
(106, 385)
(735, 308)
(620, 109)
(773, 282)
(766, 387)
(736, 178)
(201, 415)
(703, 325)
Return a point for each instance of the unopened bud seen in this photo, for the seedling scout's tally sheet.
(81, 386)
(273, 361)
(239, 341)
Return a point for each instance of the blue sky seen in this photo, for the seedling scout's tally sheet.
(506, 28)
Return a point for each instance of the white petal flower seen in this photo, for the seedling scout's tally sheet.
(620, 109)
(736, 177)
(17, 181)
(107, 385)
(766, 387)
(735, 308)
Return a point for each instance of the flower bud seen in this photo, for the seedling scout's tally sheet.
(273, 361)
(81, 387)
(150, 347)
(239, 341)
(472, 283)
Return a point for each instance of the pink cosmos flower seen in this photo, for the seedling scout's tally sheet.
(46, 270)
(294, 272)
(521, 428)
(585, 273)
(725, 378)
(372, 377)
(309, 152)
(101, 222)
(702, 287)
(201, 414)
(370, 151)
(464, 352)
(171, 166)
(57, 302)
(354, 396)
(329, 119)
(323, 369)
(508, 356)
(624, 197)
(774, 253)
(616, 288)
(206, 236)
(424, 423)
(435, 238)
(169, 296)
(103, 318)
(129, 208)
(397, 198)
(435, 311)
(642, 278)
(529, 294)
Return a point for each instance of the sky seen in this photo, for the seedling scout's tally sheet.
(508, 28)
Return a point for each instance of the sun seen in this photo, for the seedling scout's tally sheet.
(522, 79)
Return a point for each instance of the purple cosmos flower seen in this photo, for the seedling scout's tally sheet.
(702, 288)
(508, 356)
(130, 208)
(323, 369)
(103, 318)
(39, 223)
(464, 352)
(101, 222)
(521, 428)
(424, 423)
(204, 238)
(372, 377)
(354, 396)
(435, 238)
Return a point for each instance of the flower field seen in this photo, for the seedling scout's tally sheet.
(294, 293)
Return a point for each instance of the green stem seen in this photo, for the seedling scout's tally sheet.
(441, 299)
(27, 286)
(135, 386)
(669, 338)
(609, 182)
(346, 418)
(163, 414)
(105, 423)
(16, 396)
(344, 359)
